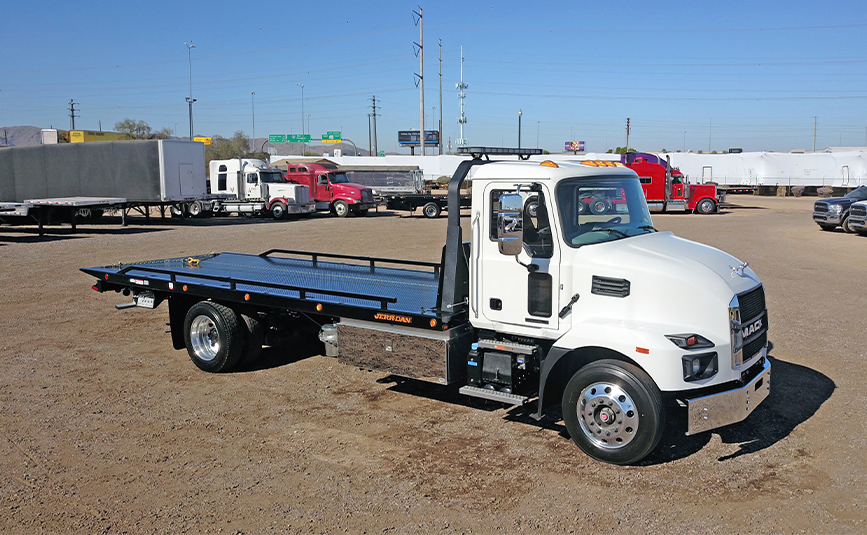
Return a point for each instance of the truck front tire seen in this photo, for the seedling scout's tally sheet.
(706, 206)
(846, 227)
(613, 411)
(340, 208)
(213, 336)
(278, 210)
(431, 210)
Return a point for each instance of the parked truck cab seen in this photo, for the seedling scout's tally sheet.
(256, 189)
(331, 189)
(668, 190)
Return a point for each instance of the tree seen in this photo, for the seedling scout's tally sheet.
(132, 129)
(222, 148)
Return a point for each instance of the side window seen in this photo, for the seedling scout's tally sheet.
(291, 169)
(221, 178)
(302, 169)
(322, 180)
(538, 238)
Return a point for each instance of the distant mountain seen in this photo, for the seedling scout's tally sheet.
(20, 136)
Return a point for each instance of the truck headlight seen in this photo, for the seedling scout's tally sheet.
(689, 341)
(835, 208)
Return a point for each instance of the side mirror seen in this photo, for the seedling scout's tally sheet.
(510, 224)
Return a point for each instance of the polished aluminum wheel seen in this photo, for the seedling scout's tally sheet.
(607, 415)
(205, 338)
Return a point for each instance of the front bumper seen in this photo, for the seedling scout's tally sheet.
(362, 206)
(827, 218)
(300, 207)
(857, 223)
(729, 407)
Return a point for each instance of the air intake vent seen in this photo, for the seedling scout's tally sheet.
(610, 287)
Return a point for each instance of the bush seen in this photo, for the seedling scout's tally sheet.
(781, 191)
(797, 191)
(825, 192)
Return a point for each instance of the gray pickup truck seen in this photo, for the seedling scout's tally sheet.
(833, 213)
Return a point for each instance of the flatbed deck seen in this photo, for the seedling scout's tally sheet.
(356, 287)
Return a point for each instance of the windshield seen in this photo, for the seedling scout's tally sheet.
(339, 178)
(271, 177)
(859, 194)
(602, 209)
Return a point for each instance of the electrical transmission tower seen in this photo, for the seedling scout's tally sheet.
(72, 116)
(461, 86)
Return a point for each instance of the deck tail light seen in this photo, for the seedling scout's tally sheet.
(700, 366)
(690, 341)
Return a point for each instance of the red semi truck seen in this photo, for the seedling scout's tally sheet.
(331, 189)
(668, 190)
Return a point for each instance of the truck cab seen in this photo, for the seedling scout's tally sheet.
(257, 188)
(668, 190)
(331, 189)
(590, 293)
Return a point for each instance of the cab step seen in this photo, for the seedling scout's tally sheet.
(493, 395)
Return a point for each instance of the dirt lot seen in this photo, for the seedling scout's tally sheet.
(107, 429)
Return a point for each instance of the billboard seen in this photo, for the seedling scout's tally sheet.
(410, 138)
(574, 146)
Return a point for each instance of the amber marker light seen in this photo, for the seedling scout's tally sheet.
(549, 163)
(318, 307)
(642, 350)
(246, 297)
(185, 287)
(433, 323)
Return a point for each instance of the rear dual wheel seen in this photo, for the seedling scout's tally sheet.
(218, 338)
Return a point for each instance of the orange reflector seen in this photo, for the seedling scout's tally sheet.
(318, 308)
(549, 163)
(246, 297)
(642, 350)
(433, 323)
(185, 287)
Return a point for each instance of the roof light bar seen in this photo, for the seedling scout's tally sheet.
(478, 152)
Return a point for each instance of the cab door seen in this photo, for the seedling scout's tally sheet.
(520, 289)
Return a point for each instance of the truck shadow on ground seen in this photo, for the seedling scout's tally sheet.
(773, 421)
(797, 392)
(31, 234)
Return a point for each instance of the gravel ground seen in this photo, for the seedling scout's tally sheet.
(106, 429)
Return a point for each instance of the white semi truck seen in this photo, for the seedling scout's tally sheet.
(248, 186)
(547, 305)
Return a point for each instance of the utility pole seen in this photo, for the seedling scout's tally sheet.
(72, 115)
(709, 133)
(253, 106)
(627, 135)
(373, 142)
(420, 75)
(190, 46)
(303, 145)
(440, 126)
(461, 86)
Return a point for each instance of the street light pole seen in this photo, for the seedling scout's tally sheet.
(684, 141)
(519, 128)
(253, 104)
(303, 145)
(190, 46)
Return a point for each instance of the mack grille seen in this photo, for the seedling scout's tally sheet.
(752, 303)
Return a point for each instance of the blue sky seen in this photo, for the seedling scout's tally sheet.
(699, 76)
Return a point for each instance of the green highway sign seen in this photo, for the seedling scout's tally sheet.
(276, 138)
(331, 137)
(298, 138)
